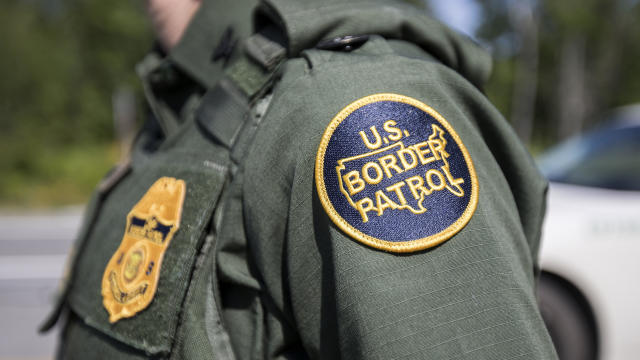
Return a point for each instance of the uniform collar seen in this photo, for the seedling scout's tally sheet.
(216, 26)
(306, 22)
(176, 80)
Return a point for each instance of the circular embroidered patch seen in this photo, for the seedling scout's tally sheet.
(393, 174)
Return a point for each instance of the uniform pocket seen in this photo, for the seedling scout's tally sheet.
(116, 174)
(152, 328)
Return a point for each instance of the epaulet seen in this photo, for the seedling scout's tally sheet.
(246, 80)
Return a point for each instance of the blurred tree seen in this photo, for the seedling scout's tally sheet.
(62, 62)
(524, 20)
(560, 65)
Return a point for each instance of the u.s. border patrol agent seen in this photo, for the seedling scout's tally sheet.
(339, 188)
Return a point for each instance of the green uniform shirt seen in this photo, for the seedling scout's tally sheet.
(259, 268)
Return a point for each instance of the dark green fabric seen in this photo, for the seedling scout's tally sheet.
(250, 76)
(173, 84)
(170, 95)
(153, 329)
(270, 270)
(194, 52)
(89, 343)
(220, 116)
(204, 336)
(307, 22)
(472, 297)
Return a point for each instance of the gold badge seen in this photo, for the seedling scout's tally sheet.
(131, 277)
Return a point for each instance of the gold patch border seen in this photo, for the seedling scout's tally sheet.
(391, 246)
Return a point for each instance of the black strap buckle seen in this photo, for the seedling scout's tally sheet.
(343, 43)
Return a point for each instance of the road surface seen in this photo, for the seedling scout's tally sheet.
(33, 250)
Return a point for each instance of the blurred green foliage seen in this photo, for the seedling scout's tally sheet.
(62, 61)
(559, 66)
(583, 54)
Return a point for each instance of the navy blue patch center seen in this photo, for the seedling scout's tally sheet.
(393, 173)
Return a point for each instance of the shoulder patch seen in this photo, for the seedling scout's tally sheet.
(131, 277)
(393, 174)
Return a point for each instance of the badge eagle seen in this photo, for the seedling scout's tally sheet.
(131, 277)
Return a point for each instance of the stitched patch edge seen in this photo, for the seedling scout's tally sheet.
(391, 246)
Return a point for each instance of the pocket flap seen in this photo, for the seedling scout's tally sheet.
(152, 328)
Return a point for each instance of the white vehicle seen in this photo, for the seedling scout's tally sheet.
(589, 289)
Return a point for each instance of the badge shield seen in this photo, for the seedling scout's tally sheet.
(130, 279)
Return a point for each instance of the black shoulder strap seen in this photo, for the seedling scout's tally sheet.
(230, 113)
(226, 108)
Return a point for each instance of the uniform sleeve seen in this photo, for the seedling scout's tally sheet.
(469, 297)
